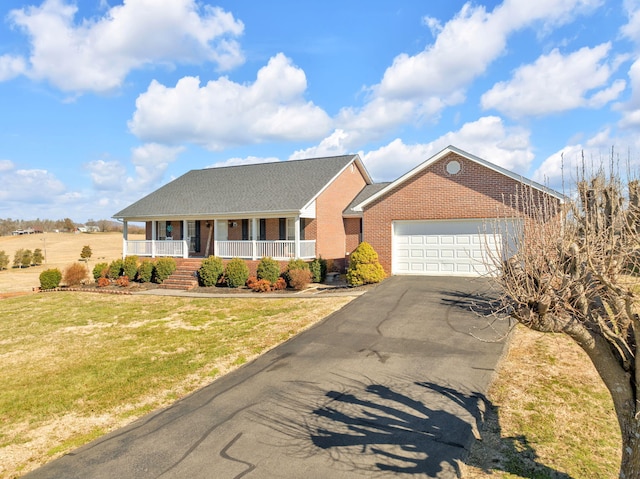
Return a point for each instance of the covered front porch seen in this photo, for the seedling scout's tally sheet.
(246, 238)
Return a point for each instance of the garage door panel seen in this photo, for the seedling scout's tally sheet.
(456, 247)
(447, 253)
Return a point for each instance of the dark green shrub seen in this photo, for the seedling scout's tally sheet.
(115, 269)
(236, 273)
(318, 269)
(75, 274)
(364, 267)
(268, 269)
(101, 270)
(211, 271)
(130, 267)
(163, 269)
(37, 258)
(145, 271)
(50, 278)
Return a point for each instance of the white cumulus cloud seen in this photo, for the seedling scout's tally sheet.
(150, 161)
(31, 186)
(223, 113)
(557, 82)
(486, 137)
(418, 87)
(106, 175)
(11, 66)
(97, 54)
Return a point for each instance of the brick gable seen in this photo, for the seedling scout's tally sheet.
(433, 194)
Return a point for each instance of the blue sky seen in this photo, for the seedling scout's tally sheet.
(103, 101)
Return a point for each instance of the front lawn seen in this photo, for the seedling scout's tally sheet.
(75, 366)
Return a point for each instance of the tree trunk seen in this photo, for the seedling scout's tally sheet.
(630, 463)
(620, 384)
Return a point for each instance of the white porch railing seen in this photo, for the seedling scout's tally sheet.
(259, 249)
(154, 248)
(224, 249)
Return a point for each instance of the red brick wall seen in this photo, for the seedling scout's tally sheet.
(272, 226)
(432, 194)
(311, 229)
(352, 232)
(331, 238)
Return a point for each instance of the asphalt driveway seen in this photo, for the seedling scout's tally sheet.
(391, 385)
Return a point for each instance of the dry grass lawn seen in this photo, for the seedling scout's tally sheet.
(70, 378)
(552, 416)
(62, 250)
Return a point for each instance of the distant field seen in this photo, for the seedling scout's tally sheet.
(61, 249)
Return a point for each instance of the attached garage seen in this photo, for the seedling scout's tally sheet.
(443, 248)
(437, 219)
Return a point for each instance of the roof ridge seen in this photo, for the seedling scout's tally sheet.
(279, 162)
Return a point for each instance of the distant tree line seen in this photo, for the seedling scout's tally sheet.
(8, 225)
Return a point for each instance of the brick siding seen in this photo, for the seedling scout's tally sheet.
(331, 237)
(433, 194)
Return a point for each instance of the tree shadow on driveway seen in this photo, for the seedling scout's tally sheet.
(417, 428)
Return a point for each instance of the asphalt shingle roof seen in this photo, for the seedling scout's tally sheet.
(365, 193)
(246, 189)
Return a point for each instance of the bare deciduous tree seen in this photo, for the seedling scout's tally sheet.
(573, 270)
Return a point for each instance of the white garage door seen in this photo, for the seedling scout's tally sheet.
(445, 248)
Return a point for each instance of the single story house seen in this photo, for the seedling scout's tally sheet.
(428, 221)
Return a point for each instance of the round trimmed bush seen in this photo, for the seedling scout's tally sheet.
(145, 271)
(294, 264)
(50, 278)
(130, 267)
(364, 267)
(75, 274)
(115, 269)
(163, 269)
(101, 270)
(268, 269)
(236, 273)
(299, 278)
(211, 270)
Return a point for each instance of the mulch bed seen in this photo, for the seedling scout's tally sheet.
(137, 287)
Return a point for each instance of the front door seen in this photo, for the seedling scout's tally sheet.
(193, 232)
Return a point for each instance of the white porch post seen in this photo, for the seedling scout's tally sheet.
(125, 238)
(296, 236)
(185, 243)
(216, 230)
(154, 237)
(254, 236)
